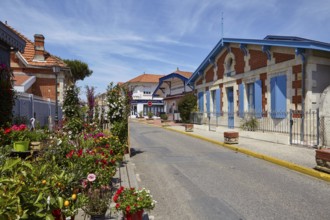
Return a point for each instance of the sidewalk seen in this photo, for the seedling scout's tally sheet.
(300, 159)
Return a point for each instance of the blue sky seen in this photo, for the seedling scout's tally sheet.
(121, 39)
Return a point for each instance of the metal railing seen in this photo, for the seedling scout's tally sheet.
(303, 128)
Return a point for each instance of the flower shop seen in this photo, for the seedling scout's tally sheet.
(53, 175)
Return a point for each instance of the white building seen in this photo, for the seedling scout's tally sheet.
(142, 87)
(172, 88)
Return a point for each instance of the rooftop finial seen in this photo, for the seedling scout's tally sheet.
(222, 26)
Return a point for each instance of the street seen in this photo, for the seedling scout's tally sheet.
(194, 179)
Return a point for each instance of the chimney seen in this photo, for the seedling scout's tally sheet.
(39, 47)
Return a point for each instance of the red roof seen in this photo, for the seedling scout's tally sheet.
(20, 79)
(184, 73)
(146, 78)
(29, 52)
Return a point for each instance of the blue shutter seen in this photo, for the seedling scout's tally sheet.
(208, 101)
(217, 101)
(241, 100)
(280, 97)
(258, 99)
(201, 101)
(272, 96)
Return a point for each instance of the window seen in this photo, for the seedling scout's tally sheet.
(254, 98)
(146, 93)
(214, 110)
(278, 96)
(201, 102)
(250, 96)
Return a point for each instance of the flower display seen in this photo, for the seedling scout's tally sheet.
(131, 200)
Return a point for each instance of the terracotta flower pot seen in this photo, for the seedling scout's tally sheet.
(134, 216)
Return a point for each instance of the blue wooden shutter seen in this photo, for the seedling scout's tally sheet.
(208, 101)
(272, 96)
(258, 99)
(217, 100)
(201, 101)
(241, 100)
(280, 97)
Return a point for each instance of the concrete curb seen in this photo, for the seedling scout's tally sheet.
(283, 163)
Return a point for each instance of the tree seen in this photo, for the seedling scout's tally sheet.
(79, 69)
(187, 104)
(90, 93)
(7, 95)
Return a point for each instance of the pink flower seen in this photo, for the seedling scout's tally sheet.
(22, 127)
(91, 177)
(15, 128)
(84, 183)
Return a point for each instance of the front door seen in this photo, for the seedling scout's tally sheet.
(230, 95)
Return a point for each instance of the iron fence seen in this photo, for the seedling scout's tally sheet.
(302, 127)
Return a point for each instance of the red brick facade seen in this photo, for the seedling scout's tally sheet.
(282, 57)
(239, 58)
(263, 78)
(258, 59)
(209, 75)
(296, 85)
(44, 88)
(220, 63)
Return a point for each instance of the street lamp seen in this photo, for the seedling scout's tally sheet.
(56, 70)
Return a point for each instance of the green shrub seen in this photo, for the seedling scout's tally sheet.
(249, 124)
(187, 104)
(163, 116)
(150, 114)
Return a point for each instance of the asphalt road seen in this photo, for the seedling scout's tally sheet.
(194, 179)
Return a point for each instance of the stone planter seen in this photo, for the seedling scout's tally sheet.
(35, 145)
(322, 158)
(231, 137)
(189, 127)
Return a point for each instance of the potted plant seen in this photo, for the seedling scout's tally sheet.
(133, 202)
(98, 197)
(19, 135)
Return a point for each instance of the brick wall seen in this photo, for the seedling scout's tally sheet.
(258, 59)
(221, 96)
(281, 57)
(200, 81)
(239, 59)
(296, 85)
(220, 63)
(209, 75)
(263, 78)
(44, 88)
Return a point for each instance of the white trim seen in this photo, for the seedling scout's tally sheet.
(25, 85)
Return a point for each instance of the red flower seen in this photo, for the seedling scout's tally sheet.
(70, 154)
(8, 130)
(128, 208)
(115, 198)
(79, 153)
(117, 206)
(56, 212)
(111, 152)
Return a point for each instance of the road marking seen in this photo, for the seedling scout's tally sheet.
(138, 177)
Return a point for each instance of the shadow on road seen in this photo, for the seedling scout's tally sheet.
(135, 152)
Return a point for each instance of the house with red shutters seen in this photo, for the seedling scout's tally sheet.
(279, 82)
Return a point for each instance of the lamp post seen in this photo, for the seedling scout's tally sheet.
(56, 70)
